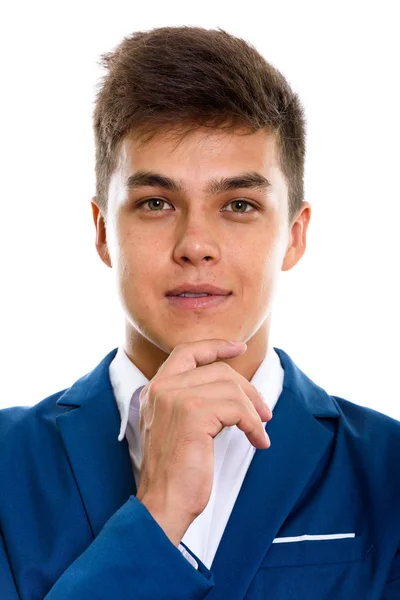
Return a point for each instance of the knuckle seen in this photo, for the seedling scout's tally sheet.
(236, 387)
(152, 389)
(181, 347)
(190, 405)
(252, 423)
(248, 426)
(162, 397)
(253, 414)
(224, 367)
(233, 397)
(253, 429)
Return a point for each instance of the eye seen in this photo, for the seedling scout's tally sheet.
(151, 200)
(242, 202)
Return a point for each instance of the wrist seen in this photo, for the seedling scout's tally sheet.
(173, 522)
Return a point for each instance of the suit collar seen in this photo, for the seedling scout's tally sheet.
(86, 388)
(315, 399)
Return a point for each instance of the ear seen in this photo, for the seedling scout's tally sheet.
(297, 237)
(101, 233)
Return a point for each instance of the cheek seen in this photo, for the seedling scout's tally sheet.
(132, 253)
(263, 260)
(141, 270)
(263, 271)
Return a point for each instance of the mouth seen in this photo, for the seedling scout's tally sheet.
(197, 301)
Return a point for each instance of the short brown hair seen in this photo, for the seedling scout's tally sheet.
(176, 79)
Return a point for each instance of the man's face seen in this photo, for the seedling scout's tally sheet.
(238, 239)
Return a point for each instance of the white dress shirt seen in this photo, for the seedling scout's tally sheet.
(232, 451)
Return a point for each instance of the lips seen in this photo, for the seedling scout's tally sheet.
(213, 301)
(199, 288)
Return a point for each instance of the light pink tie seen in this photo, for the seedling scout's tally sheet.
(133, 434)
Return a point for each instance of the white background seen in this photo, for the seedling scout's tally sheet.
(336, 313)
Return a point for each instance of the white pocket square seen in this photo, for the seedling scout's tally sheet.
(313, 538)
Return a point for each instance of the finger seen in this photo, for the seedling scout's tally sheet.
(223, 404)
(214, 372)
(194, 354)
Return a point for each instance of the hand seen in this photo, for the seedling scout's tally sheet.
(186, 404)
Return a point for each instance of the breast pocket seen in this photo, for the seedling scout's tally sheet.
(320, 552)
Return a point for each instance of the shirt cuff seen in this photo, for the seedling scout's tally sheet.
(188, 556)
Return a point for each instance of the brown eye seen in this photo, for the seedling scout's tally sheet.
(241, 203)
(156, 201)
(156, 206)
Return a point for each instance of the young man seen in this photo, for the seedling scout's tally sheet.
(152, 476)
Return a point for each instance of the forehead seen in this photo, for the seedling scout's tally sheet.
(200, 151)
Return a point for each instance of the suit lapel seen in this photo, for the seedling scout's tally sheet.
(274, 481)
(100, 463)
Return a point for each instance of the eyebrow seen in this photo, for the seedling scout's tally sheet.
(214, 186)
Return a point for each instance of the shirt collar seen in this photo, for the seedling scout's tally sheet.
(126, 378)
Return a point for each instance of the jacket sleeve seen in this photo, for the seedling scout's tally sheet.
(7, 585)
(392, 586)
(132, 559)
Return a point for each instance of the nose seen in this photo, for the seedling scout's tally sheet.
(197, 241)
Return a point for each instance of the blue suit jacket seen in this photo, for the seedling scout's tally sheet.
(72, 528)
